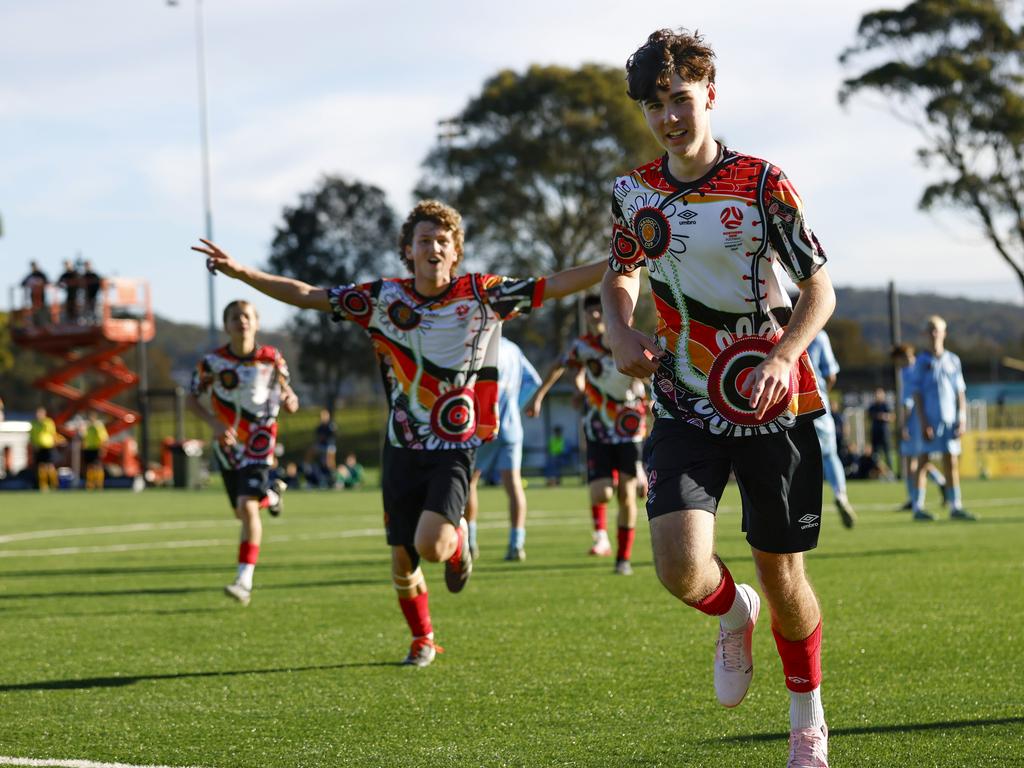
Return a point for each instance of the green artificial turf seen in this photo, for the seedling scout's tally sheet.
(117, 644)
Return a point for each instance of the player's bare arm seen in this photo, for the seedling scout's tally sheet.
(284, 289)
(222, 433)
(636, 353)
(554, 374)
(574, 279)
(770, 379)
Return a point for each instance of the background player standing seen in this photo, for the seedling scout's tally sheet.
(733, 389)
(940, 397)
(614, 422)
(435, 337)
(904, 358)
(238, 390)
(826, 368)
(94, 439)
(517, 381)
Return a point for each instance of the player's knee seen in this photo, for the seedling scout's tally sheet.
(681, 575)
(780, 574)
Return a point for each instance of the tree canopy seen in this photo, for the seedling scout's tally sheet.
(953, 69)
(341, 232)
(529, 162)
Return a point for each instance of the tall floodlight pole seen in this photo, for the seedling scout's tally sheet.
(204, 143)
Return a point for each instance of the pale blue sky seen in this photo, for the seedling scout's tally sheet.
(99, 139)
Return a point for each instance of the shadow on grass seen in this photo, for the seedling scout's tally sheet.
(815, 555)
(869, 729)
(121, 682)
(14, 615)
(184, 590)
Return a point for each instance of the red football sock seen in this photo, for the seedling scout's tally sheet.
(248, 553)
(626, 536)
(599, 512)
(801, 660)
(264, 502)
(417, 614)
(721, 600)
(458, 546)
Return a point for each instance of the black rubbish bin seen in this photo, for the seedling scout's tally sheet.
(187, 464)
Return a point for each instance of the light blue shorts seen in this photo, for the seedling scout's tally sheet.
(825, 429)
(945, 441)
(498, 456)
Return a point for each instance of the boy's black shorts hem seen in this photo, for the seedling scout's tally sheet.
(246, 482)
(604, 458)
(416, 480)
(779, 477)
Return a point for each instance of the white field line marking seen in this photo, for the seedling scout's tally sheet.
(217, 543)
(539, 518)
(74, 763)
(102, 529)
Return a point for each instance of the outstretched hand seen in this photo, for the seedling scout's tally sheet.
(217, 260)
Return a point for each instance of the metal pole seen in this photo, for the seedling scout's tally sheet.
(204, 139)
(143, 364)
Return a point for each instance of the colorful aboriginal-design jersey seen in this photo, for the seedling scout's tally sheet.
(615, 408)
(714, 249)
(245, 394)
(438, 355)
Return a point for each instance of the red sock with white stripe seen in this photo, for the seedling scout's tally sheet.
(248, 554)
(801, 664)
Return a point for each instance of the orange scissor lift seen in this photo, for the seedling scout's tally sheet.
(89, 347)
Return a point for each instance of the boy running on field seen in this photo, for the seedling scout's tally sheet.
(435, 336)
(734, 391)
(238, 390)
(614, 422)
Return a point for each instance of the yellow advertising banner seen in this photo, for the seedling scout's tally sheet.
(993, 453)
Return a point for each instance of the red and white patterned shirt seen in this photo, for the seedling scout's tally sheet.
(615, 408)
(438, 355)
(243, 393)
(714, 249)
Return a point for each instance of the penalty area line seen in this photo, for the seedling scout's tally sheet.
(61, 763)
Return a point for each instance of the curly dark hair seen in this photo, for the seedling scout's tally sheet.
(665, 53)
(438, 213)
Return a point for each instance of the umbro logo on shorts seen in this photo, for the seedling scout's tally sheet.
(808, 521)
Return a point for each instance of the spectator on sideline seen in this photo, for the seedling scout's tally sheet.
(880, 414)
(350, 472)
(91, 284)
(73, 287)
(35, 293)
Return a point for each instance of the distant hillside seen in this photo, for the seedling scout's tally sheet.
(976, 328)
(185, 343)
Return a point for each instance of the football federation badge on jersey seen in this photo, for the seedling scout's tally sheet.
(228, 378)
(731, 378)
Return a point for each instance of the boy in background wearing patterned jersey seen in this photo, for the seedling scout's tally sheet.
(940, 397)
(435, 336)
(733, 388)
(614, 422)
(238, 390)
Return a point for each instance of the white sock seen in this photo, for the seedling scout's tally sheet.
(738, 614)
(805, 710)
(244, 575)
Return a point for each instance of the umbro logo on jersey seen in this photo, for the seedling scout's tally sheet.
(688, 216)
(732, 217)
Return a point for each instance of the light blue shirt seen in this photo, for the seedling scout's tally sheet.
(824, 363)
(939, 382)
(909, 411)
(517, 381)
